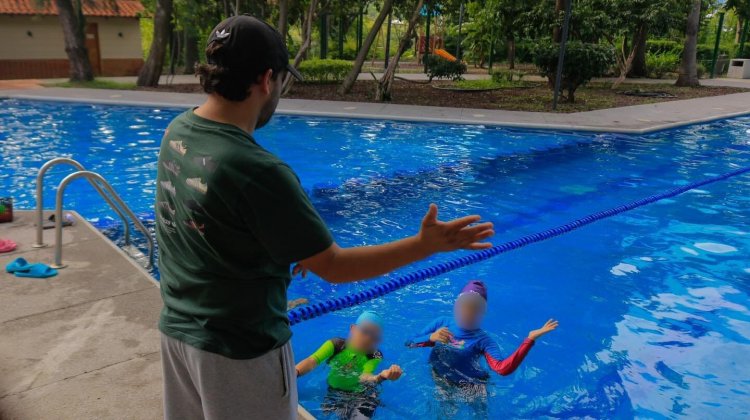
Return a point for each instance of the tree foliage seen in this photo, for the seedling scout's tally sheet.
(583, 61)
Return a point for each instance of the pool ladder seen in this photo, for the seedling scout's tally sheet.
(100, 185)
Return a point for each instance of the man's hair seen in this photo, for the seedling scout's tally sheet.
(231, 84)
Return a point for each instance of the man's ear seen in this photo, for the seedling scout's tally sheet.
(265, 82)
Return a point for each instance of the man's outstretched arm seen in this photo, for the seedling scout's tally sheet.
(342, 265)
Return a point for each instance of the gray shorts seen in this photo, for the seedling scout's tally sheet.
(204, 385)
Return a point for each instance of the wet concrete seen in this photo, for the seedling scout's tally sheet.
(82, 344)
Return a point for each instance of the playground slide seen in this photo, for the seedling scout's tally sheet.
(445, 54)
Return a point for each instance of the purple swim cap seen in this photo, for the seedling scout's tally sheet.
(475, 286)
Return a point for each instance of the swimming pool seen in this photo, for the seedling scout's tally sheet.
(653, 303)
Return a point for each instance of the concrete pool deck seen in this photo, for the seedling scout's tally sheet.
(637, 119)
(82, 344)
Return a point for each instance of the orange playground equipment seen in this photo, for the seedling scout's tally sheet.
(445, 54)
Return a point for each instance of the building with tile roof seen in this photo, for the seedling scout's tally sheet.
(32, 44)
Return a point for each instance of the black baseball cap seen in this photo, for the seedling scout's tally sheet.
(249, 45)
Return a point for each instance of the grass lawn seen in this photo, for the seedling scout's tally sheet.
(94, 84)
(483, 84)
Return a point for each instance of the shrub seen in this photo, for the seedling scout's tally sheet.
(705, 52)
(660, 46)
(745, 52)
(582, 63)
(702, 70)
(507, 76)
(525, 52)
(323, 71)
(659, 64)
(440, 68)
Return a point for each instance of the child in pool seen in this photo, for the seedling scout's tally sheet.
(458, 344)
(352, 381)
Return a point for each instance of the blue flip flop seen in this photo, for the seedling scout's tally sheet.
(37, 271)
(19, 264)
(21, 268)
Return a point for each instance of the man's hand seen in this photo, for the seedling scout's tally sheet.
(344, 265)
(547, 327)
(442, 335)
(391, 374)
(299, 270)
(436, 236)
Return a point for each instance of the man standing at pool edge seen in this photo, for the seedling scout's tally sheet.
(231, 219)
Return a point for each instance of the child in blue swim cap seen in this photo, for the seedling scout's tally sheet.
(458, 343)
(352, 381)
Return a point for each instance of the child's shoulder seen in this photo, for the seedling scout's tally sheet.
(339, 344)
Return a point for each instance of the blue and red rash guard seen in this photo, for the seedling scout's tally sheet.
(459, 360)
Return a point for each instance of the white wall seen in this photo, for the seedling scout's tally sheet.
(47, 39)
(114, 46)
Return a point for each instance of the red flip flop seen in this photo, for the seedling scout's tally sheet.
(6, 245)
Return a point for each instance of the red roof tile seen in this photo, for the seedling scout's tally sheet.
(103, 8)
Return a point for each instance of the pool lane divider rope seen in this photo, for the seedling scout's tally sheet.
(304, 313)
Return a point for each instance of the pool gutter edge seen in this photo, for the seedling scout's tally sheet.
(98, 233)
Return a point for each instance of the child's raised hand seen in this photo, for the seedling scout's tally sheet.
(299, 270)
(443, 335)
(547, 327)
(392, 373)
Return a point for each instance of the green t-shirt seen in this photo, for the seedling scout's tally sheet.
(230, 219)
(347, 364)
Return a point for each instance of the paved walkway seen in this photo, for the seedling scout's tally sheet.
(181, 79)
(632, 119)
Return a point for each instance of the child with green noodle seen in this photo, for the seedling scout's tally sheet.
(352, 381)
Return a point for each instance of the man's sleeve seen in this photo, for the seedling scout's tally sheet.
(423, 338)
(504, 366)
(324, 352)
(282, 218)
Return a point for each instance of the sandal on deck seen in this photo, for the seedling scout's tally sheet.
(6, 245)
(21, 268)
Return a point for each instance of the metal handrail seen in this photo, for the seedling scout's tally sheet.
(40, 205)
(94, 178)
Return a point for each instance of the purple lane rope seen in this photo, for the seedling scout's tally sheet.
(315, 310)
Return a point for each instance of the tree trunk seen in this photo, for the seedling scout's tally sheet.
(73, 25)
(386, 81)
(571, 95)
(348, 83)
(283, 18)
(738, 31)
(191, 50)
(638, 67)
(307, 24)
(511, 41)
(557, 29)
(689, 63)
(149, 75)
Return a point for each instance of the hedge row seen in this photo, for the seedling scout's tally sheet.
(324, 71)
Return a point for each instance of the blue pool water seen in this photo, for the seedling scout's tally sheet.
(654, 304)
